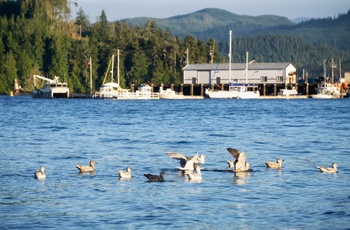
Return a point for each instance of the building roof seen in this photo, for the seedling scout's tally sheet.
(238, 66)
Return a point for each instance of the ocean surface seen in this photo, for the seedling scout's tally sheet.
(61, 133)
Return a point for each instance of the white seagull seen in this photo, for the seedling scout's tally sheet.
(197, 176)
(186, 163)
(274, 165)
(40, 174)
(84, 168)
(239, 164)
(125, 174)
(329, 170)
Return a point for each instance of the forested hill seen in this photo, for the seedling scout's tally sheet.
(42, 37)
(215, 23)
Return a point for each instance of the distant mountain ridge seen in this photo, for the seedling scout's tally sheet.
(215, 23)
(206, 19)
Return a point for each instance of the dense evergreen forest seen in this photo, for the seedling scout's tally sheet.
(42, 37)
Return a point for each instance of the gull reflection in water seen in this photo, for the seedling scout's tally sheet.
(240, 177)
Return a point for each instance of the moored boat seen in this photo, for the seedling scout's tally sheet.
(327, 91)
(249, 91)
(288, 92)
(52, 88)
(169, 94)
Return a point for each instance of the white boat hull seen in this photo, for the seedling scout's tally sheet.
(171, 97)
(222, 94)
(248, 95)
(321, 96)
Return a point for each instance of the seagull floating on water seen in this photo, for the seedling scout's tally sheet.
(195, 176)
(329, 170)
(155, 178)
(245, 168)
(187, 163)
(274, 165)
(125, 174)
(40, 174)
(84, 168)
(239, 164)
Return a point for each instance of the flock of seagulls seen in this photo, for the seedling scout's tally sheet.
(191, 166)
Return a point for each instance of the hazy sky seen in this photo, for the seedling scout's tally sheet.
(120, 9)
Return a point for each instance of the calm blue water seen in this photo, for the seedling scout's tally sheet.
(61, 133)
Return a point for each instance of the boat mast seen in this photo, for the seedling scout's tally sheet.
(118, 67)
(90, 63)
(230, 58)
(112, 68)
(246, 68)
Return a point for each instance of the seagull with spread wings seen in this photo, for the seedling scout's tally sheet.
(187, 163)
(239, 165)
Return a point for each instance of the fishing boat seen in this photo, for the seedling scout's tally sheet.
(52, 88)
(327, 91)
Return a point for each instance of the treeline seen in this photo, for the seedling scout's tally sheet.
(41, 37)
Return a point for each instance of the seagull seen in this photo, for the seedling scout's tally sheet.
(40, 174)
(245, 168)
(239, 164)
(186, 163)
(329, 170)
(84, 168)
(155, 178)
(195, 176)
(125, 174)
(274, 165)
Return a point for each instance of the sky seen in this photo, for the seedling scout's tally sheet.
(121, 9)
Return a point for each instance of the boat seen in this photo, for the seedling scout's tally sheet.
(52, 88)
(144, 92)
(172, 95)
(108, 90)
(231, 93)
(113, 90)
(169, 94)
(249, 91)
(288, 92)
(327, 91)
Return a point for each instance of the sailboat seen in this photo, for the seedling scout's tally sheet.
(248, 91)
(113, 90)
(109, 89)
(232, 92)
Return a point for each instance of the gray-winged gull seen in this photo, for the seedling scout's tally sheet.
(84, 168)
(329, 170)
(40, 174)
(274, 165)
(186, 163)
(195, 175)
(155, 178)
(125, 174)
(239, 164)
(245, 168)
